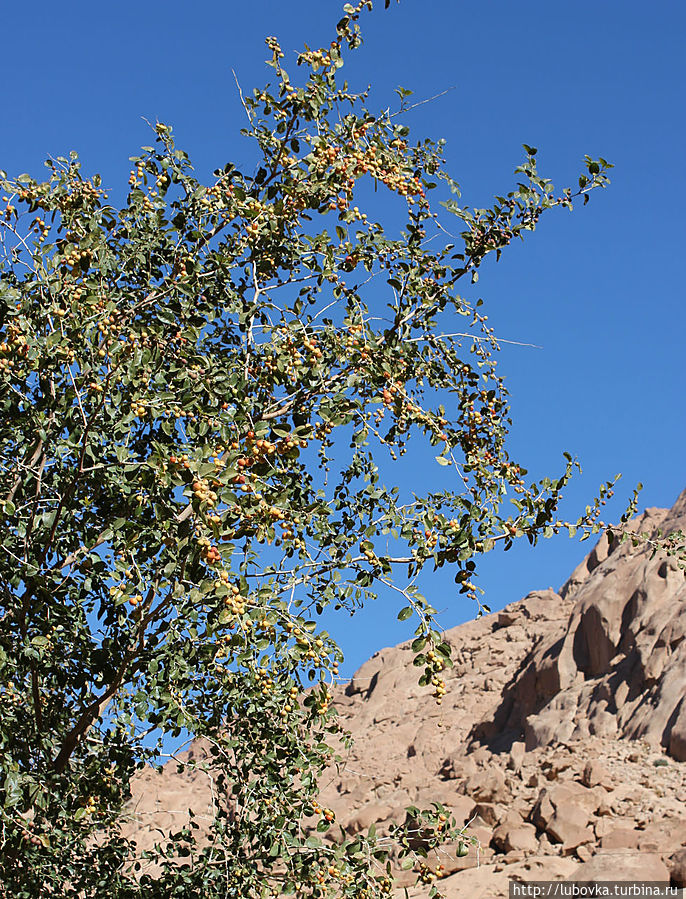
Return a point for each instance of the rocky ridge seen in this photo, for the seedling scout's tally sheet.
(561, 741)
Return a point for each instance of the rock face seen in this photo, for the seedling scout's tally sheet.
(617, 666)
(561, 741)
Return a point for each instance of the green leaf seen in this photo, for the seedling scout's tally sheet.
(405, 613)
(13, 789)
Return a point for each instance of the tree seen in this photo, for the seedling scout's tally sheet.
(202, 392)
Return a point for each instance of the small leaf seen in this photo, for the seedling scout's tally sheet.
(405, 613)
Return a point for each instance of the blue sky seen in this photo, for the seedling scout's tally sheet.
(599, 290)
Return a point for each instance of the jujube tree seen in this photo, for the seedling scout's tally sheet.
(203, 393)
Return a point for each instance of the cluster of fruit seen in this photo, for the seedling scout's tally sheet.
(181, 267)
(234, 601)
(350, 163)
(255, 451)
(208, 551)
(322, 430)
(326, 813)
(323, 705)
(30, 837)
(114, 336)
(427, 875)
(42, 229)
(354, 338)
(266, 683)
(14, 349)
(90, 806)
(136, 177)
(180, 413)
(335, 873)
(76, 259)
(290, 704)
(289, 535)
(317, 58)
(183, 461)
(203, 493)
(431, 537)
(439, 688)
(10, 209)
(389, 395)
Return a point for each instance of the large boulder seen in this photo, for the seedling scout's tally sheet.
(624, 864)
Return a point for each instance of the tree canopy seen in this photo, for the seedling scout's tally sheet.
(204, 395)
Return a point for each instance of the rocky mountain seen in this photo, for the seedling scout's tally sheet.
(560, 744)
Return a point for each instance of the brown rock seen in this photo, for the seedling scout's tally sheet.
(621, 838)
(517, 752)
(543, 810)
(488, 786)
(487, 812)
(618, 664)
(607, 865)
(515, 838)
(604, 807)
(565, 827)
(462, 808)
(677, 737)
(507, 617)
(366, 816)
(457, 766)
(546, 867)
(664, 835)
(546, 728)
(481, 833)
(583, 852)
(677, 868)
(568, 801)
(596, 774)
(511, 858)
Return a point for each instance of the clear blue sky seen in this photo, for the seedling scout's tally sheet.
(600, 290)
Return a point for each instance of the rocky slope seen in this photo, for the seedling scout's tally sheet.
(561, 740)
